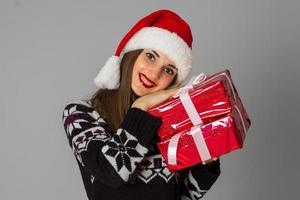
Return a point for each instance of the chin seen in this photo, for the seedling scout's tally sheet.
(140, 90)
(136, 90)
(139, 93)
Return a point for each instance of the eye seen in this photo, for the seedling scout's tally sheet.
(169, 70)
(150, 56)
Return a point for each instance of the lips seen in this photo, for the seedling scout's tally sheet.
(145, 81)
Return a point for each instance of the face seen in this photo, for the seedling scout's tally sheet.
(152, 71)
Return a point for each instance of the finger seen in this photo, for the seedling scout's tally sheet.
(210, 160)
(204, 163)
(215, 158)
(171, 92)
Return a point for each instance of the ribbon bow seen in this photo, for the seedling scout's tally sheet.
(192, 82)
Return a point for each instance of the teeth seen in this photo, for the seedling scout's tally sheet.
(146, 81)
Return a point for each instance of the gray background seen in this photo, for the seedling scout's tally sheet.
(50, 51)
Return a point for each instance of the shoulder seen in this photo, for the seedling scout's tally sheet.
(80, 109)
(78, 103)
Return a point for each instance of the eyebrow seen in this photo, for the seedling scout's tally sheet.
(159, 56)
(173, 67)
(155, 53)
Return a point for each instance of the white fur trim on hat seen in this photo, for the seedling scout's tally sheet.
(148, 38)
(109, 75)
(167, 42)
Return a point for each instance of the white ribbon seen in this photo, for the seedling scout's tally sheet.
(193, 81)
(200, 143)
(172, 149)
(224, 74)
(190, 108)
(196, 120)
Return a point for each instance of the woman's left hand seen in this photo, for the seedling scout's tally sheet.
(210, 160)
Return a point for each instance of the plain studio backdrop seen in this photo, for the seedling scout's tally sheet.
(50, 52)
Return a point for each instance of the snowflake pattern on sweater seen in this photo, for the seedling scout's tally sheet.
(124, 152)
(155, 167)
(108, 159)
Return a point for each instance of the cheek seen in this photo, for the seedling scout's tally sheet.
(168, 79)
(165, 81)
(139, 63)
(138, 67)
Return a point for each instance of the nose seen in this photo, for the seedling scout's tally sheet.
(154, 73)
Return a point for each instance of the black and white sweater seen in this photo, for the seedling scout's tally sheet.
(106, 159)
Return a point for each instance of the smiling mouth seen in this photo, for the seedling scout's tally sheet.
(145, 81)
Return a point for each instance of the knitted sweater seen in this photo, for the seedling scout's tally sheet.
(107, 160)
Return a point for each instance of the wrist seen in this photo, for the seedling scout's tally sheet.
(139, 105)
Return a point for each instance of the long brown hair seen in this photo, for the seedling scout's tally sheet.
(113, 105)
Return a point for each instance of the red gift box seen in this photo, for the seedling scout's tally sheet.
(212, 98)
(203, 142)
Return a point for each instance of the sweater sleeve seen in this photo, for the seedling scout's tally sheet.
(197, 180)
(109, 157)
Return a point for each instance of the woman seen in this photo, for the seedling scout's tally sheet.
(113, 136)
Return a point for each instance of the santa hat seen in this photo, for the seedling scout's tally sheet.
(162, 30)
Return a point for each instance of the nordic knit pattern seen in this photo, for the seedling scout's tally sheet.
(107, 159)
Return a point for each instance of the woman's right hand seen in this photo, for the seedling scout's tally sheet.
(154, 98)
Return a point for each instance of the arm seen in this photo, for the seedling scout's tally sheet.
(197, 180)
(109, 157)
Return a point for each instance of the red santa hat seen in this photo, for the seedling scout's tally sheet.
(162, 30)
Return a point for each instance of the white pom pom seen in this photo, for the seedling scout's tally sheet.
(109, 75)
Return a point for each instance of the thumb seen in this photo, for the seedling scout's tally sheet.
(172, 91)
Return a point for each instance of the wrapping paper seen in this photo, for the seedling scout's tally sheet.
(205, 119)
(220, 136)
(212, 98)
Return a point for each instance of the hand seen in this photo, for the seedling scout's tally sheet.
(210, 160)
(154, 98)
